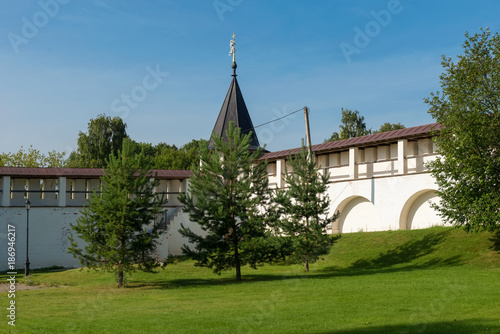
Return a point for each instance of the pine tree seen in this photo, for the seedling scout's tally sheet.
(224, 196)
(116, 224)
(303, 209)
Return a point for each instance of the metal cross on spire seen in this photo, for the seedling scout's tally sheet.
(232, 50)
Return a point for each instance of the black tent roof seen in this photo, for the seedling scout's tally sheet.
(234, 110)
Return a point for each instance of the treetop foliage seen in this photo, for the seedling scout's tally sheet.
(353, 125)
(32, 158)
(468, 170)
(164, 156)
(389, 127)
(105, 136)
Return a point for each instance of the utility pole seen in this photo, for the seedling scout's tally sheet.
(308, 133)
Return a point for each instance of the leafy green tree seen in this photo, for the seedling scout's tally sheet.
(352, 125)
(148, 150)
(170, 157)
(468, 109)
(55, 159)
(390, 127)
(191, 151)
(117, 223)
(104, 137)
(164, 156)
(224, 196)
(32, 158)
(73, 160)
(193, 145)
(303, 208)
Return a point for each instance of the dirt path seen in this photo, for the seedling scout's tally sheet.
(20, 287)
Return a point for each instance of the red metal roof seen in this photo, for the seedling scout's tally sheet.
(364, 141)
(369, 140)
(81, 173)
(172, 173)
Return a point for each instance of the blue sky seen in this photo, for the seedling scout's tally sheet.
(163, 66)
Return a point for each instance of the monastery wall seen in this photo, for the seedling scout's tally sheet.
(49, 229)
(376, 186)
(55, 204)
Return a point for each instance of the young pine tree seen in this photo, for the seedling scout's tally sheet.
(116, 224)
(225, 193)
(303, 209)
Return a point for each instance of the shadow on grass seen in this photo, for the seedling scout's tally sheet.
(398, 259)
(455, 327)
(406, 253)
(495, 239)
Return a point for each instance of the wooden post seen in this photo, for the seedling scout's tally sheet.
(308, 133)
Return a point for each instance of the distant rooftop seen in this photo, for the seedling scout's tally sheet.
(81, 173)
(363, 141)
(413, 133)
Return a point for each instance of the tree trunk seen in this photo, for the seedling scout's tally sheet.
(234, 237)
(306, 263)
(120, 277)
(236, 257)
(238, 267)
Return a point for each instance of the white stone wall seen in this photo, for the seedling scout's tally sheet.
(49, 228)
(385, 187)
(385, 203)
(48, 236)
(176, 240)
(380, 188)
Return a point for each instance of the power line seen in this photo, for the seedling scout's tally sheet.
(277, 119)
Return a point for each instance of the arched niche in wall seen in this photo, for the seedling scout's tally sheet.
(418, 213)
(357, 214)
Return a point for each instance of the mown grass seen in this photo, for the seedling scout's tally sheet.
(439, 280)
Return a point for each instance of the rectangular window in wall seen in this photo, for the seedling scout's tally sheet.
(393, 151)
(344, 158)
(361, 155)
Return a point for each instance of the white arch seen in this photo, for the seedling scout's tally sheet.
(357, 214)
(417, 211)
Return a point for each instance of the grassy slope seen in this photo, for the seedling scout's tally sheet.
(439, 280)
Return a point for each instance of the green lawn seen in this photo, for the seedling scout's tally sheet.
(439, 280)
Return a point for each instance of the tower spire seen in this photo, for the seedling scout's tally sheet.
(232, 51)
(234, 110)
